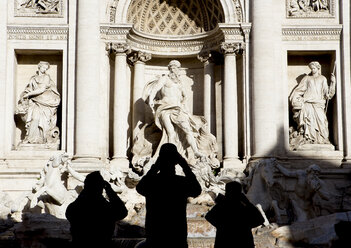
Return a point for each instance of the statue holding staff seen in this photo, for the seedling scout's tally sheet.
(309, 102)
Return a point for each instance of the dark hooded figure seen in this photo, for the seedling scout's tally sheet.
(91, 216)
(166, 199)
(234, 216)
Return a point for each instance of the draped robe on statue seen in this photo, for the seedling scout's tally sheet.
(309, 101)
(147, 143)
(40, 109)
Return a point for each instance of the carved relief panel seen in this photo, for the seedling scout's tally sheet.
(310, 8)
(40, 8)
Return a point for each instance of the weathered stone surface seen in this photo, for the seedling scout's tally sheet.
(319, 231)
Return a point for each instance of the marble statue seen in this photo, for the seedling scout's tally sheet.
(50, 193)
(307, 188)
(309, 102)
(263, 190)
(173, 123)
(37, 107)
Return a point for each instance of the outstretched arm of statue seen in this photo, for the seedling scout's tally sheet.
(331, 91)
(74, 173)
(286, 172)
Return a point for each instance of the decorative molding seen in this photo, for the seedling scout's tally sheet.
(37, 33)
(297, 10)
(170, 46)
(311, 33)
(232, 48)
(117, 48)
(111, 32)
(139, 56)
(205, 57)
(234, 32)
(34, 9)
(160, 45)
(111, 9)
(239, 11)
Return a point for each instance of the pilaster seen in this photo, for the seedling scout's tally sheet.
(87, 121)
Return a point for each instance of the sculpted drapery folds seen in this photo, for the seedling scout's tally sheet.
(38, 107)
(308, 101)
(173, 123)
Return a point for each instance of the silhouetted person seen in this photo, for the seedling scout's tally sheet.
(166, 199)
(91, 216)
(342, 229)
(234, 216)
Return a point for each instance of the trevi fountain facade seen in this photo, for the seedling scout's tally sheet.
(256, 91)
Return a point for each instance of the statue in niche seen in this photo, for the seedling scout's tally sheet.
(37, 107)
(301, 7)
(39, 6)
(309, 102)
(173, 123)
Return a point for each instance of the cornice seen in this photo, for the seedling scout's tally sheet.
(296, 33)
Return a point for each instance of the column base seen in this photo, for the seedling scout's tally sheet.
(346, 163)
(121, 164)
(234, 163)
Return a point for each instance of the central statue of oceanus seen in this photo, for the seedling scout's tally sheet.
(173, 123)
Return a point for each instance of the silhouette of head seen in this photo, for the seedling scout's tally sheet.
(94, 183)
(233, 189)
(169, 157)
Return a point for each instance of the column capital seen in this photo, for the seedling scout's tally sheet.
(117, 48)
(205, 57)
(139, 56)
(232, 48)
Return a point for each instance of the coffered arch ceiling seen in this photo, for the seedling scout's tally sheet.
(175, 17)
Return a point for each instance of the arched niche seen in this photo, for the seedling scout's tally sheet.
(233, 10)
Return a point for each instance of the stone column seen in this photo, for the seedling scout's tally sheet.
(263, 66)
(208, 82)
(138, 59)
(346, 78)
(87, 122)
(120, 107)
(3, 51)
(230, 108)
